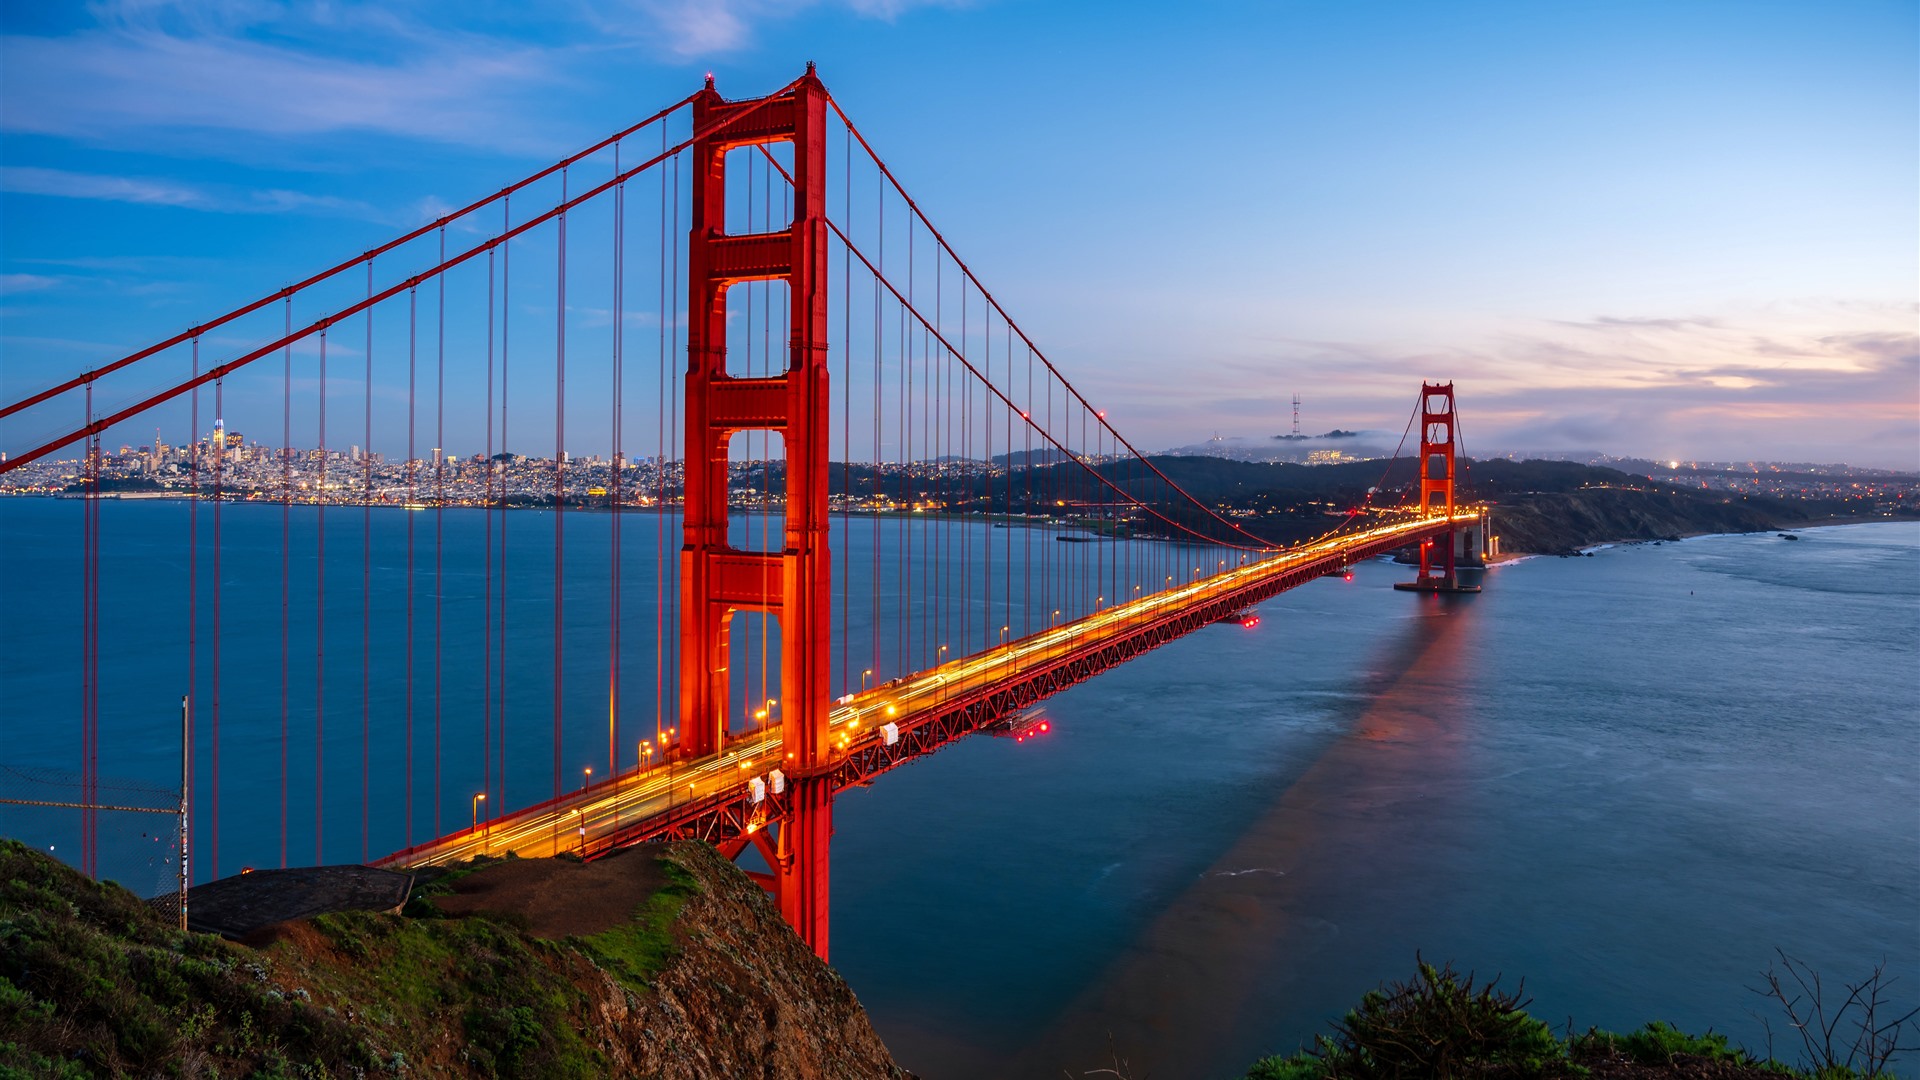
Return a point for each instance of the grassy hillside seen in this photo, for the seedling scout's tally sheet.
(663, 961)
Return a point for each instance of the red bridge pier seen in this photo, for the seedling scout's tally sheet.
(716, 579)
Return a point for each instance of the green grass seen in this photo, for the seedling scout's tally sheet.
(91, 980)
(439, 882)
(1659, 1043)
(93, 983)
(636, 952)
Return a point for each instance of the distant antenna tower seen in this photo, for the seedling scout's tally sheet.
(1296, 415)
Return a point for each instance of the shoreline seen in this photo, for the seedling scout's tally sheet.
(995, 518)
(1597, 545)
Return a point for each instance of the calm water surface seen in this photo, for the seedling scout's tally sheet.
(1627, 778)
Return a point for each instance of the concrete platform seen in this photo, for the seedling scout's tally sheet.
(1435, 587)
(234, 907)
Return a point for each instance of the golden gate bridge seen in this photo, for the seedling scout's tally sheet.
(748, 301)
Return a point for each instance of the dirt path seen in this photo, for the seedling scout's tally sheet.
(559, 897)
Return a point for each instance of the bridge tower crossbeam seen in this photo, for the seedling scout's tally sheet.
(718, 580)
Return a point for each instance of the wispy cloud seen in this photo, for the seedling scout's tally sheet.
(1804, 381)
(31, 180)
(277, 69)
(1774, 384)
(700, 28)
(241, 67)
(1616, 322)
(13, 284)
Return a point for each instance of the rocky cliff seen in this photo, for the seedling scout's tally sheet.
(1550, 522)
(663, 961)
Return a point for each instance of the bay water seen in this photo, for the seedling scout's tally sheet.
(1627, 778)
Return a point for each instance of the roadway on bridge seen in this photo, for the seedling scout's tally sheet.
(582, 820)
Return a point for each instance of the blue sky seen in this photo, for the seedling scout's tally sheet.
(1665, 228)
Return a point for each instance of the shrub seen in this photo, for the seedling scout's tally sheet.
(1437, 1024)
(1659, 1043)
(1296, 1067)
(1860, 1036)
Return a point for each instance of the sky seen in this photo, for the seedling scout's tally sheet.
(1668, 229)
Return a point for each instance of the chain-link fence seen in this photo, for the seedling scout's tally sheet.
(137, 827)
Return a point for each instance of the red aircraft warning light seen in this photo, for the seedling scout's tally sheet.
(1021, 726)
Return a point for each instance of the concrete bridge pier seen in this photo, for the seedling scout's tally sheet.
(1474, 545)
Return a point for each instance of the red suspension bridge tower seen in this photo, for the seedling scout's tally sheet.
(716, 579)
(1439, 570)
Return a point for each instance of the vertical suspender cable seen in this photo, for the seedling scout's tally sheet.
(86, 653)
(89, 611)
(213, 732)
(903, 573)
(766, 437)
(559, 472)
(286, 533)
(878, 489)
(846, 434)
(366, 585)
(986, 367)
(413, 499)
(673, 413)
(486, 604)
(193, 547)
(320, 630)
(660, 485)
(93, 650)
(616, 466)
(506, 448)
(439, 525)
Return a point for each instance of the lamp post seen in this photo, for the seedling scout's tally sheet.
(864, 676)
(668, 752)
(477, 800)
(586, 777)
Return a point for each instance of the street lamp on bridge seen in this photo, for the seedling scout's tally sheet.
(477, 800)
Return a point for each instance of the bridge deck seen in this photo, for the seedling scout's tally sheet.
(711, 797)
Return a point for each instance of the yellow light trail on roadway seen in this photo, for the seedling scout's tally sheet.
(576, 822)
